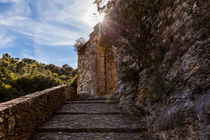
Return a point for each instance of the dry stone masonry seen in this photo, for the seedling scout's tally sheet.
(96, 66)
(19, 118)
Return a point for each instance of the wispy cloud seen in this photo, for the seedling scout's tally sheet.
(41, 55)
(26, 53)
(45, 25)
(72, 60)
(46, 34)
(5, 39)
(57, 22)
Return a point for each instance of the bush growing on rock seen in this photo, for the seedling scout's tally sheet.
(73, 84)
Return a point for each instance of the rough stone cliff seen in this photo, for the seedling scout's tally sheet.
(172, 95)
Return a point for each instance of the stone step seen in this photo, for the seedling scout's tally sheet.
(92, 101)
(92, 130)
(91, 123)
(91, 113)
(99, 98)
(93, 108)
(90, 120)
(88, 136)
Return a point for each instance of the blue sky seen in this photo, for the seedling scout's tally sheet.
(45, 30)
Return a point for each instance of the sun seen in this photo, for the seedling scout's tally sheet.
(92, 17)
(100, 17)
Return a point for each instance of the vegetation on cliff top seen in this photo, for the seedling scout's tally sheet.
(21, 77)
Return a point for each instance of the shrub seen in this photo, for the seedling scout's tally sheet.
(79, 44)
(73, 84)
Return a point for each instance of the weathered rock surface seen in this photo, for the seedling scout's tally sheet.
(172, 93)
(172, 96)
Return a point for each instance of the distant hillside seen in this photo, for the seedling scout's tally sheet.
(21, 77)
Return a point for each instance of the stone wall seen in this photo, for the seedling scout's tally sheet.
(20, 117)
(87, 65)
(96, 66)
(106, 71)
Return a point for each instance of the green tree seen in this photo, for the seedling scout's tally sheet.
(21, 77)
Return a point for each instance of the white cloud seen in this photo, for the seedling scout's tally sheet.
(41, 55)
(6, 1)
(46, 34)
(5, 39)
(57, 22)
(16, 8)
(73, 12)
(71, 60)
(26, 53)
(48, 23)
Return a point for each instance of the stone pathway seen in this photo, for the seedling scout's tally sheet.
(90, 120)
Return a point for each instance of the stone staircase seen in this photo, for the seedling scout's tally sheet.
(97, 119)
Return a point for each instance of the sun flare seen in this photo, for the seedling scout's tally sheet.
(100, 17)
(92, 17)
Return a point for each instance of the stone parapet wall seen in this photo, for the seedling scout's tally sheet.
(19, 118)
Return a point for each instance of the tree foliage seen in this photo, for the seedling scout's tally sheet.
(105, 5)
(129, 24)
(21, 77)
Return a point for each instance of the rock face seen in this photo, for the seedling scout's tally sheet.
(171, 96)
(96, 67)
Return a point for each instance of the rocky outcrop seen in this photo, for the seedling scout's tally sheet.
(19, 118)
(171, 94)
